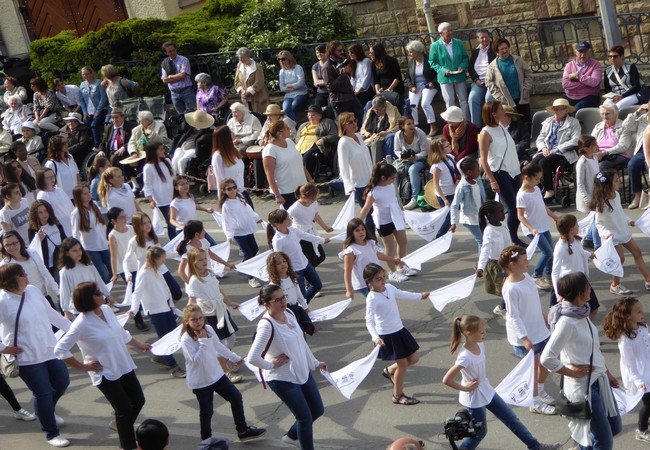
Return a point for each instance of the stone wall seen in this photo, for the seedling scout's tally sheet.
(160, 9)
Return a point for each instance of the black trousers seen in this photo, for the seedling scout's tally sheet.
(548, 165)
(8, 394)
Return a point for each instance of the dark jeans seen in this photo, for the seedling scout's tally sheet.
(229, 393)
(447, 223)
(210, 239)
(358, 195)
(644, 412)
(508, 187)
(635, 168)
(352, 106)
(548, 165)
(310, 160)
(315, 284)
(247, 197)
(172, 284)
(96, 125)
(293, 105)
(305, 404)
(248, 246)
(171, 230)
(184, 100)
(322, 100)
(310, 253)
(289, 199)
(102, 262)
(614, 162)
(602, 428)
(127, 399)
(47, 381)
(8, 394)
(163, 323)
(590, 101)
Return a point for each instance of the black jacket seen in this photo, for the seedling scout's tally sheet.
(429, 73)
(472, 60)
(105, 144)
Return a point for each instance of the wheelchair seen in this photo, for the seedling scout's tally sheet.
(563, 178)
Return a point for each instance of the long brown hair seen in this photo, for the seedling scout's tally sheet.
(151, 149)
(84, 212)
(461, 326)
(617, 321)
(187, 313)
(603, 191)
(34, 223)
(223, 196)
(140, 237)
(222, 142)
(153, 253)
(274, 277)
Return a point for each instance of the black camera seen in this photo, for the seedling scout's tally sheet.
(346, 62)
(460, 426)
(410, 153)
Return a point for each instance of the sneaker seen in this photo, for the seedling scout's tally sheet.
(287, 440)
(177, 372)
(113, 425)
(499, 311)
(232, 367)
(58, 441)
(557, 446)
(638, 435)
(542, 283)
(251, 433)
(161, 361)
(619, 290)
(397, 277)
(141, 326)
(412, 204)
(254, 283)
(234, 378)
(23, 414)
(542, 408)
(546, 398)
(409, 272)
(59, 420)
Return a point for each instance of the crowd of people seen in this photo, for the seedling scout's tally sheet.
(64, 240)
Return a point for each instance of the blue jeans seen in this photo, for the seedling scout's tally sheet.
(602, 428)
(414, 177)
(248, 246)
(210, 239)
(363, 291)
(305, 404)
(590, 101)
(96, 125)
(545, 261)
(502, 412)
(358, 195)
(102, 262)
(389, 146)
(229, 393)
(509, 187)
(476, 99)
(171, 229)
(172, 284)
(476, 233)
(163, 323)
(47, 381)
(184, 100)
(593, 236)
(635, 166)
(447, 223)
(315, 284)
(294, 104)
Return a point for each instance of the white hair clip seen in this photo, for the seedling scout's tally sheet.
(601, 177)
(514, 254)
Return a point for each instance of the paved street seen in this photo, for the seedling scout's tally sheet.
(369, 420)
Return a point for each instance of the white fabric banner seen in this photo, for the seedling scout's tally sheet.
(426, 225)
(170, 247)
(530, 250)
(122, 319)
(607, 260)
(643, 223)
(222, 251)
(251, 309)
(128, 293)
(339, 237)
(452, 293)
(516, 388)
(585, 224)
(156, 222)
(329, 312)
(256, 266)
(346, 214)
(347, 379)
(35, 246)
(168, 344)
(627, 399)
(427, 252)
(217, 218)
(109, 286)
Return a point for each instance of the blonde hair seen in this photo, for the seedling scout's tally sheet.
(436, 151)
(105, 183)
(193, 255)
(153, 254)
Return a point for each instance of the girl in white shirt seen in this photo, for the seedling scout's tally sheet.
(158, 177)
(202, 349)
(183, 207)
(51, 193)
(114, 192)
(44, 223)
(63, 165)
(625, 323)
(612, 222)
(476, 393)
(386, 329)
(388, 217)
(282, 237)
(227, 162)
(119, 235)
(532, 213)
(445, 176)
(304, 214)
(15, 213)
(89, 227)
(14, 173)
(526, 328)
(586, 170)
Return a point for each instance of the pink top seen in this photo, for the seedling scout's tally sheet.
(609, 139)
(588, 82)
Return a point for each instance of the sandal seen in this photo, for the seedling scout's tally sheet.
(403, 399)
(386, 374)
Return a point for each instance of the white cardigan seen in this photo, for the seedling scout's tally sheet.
(201, 363)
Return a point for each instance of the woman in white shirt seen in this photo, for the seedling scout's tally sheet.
(45, 376)
(15, 213)
(227, 162)
(159, 182)
(362, 79)
(63, 165)
(110, 367)
(89, 227)
(61, 205)
(279, 339)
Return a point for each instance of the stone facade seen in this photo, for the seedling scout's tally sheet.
(160, 9)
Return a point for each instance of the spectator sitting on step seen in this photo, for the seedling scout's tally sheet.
(273, 112)
(636, 124)
(461, 134)
(479, 61)
(581, 79)
(380, 121)
(623, 81)
(387, 75)
(614, 142)
(317, 139)
(210, 97)
(12, 88)
(245, 128)
(79, 137)
(15, 115)
(149, 130)
(68, 94)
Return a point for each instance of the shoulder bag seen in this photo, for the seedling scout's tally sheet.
(8, 367)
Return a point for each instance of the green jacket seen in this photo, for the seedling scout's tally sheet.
(440, 62)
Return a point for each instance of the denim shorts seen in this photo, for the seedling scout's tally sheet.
(520, 351)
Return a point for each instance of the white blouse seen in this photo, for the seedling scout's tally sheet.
(221, 171)
(152, 292)
(239, 219)
(95, 239)
(70, 278)
(61, 205)
(201, 363)
(37, 273)
(354, 162)
(161, 191)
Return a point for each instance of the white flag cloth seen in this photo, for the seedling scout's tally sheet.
(122, 319)
(255, 267)
(339, 237)
(347, 379)
(497, 197)
(530, 250)
(627, 399)
(607, 260)
(170, 247)
(156, 222)
(250, 309)
(585, 224)
(35, 246)
(516, 388)
(426, 225)
(177, 312)
(452, 293)
(429, 251)
(168, 344)
(346, 214)
(128, 292)
(217, 218)
(643, 224)
(255, 370)
(329, 312)
(109, 286)
(222, 251)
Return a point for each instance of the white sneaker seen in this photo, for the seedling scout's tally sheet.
(59, 420)
(640, 435)
(542, 408)
(542, 283)
(23, 414)
(546, 398)
(254, 283)
(412, 204)
(58, 441)
(619, 290)
(287, 440)
(499, 311)
(397, 277)
(409, 272)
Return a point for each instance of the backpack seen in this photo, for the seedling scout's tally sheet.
(135, 92)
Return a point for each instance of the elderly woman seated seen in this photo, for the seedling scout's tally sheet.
(210, 97)
(12, 88)
(15, 115)
(79, 137)
(635, 124)
(245, 128)
(317, 139)
(148, 129)
(557, 143)
(461, 134)
(614, 142)
(380, 121)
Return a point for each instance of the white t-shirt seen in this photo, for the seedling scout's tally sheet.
(363, 255)
(66, 174)
(524, 317)
(289, 173)
(385, 201)
(93, 240)
(474, 369)
(303, 216)
(17, 219)
(161, 191)
(61, 205)
(447, 182)
(122, 243)
(534, 210)
(476, 195)
(185, 209)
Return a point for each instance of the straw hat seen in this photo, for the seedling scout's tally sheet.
(430, 195)
(199, 119)
(273, 109)
(511, 111)
(135, 157)
(559, 102)
(453, 114)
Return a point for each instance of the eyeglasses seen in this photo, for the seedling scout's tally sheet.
(231, 188)
(282, 59)
(11, 244)
(278, 300)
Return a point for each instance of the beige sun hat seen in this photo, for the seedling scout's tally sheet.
(430, 195)
(272, 108)
(199, 119)
(135, 157)
(511, 111)
(560, 102)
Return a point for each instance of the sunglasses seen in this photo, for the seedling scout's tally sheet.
(282, 59)
(230, 188)
(278, 300)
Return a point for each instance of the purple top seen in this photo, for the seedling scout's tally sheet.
(209, 100)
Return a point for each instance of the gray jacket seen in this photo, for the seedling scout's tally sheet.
(624, 137)
(567, 137)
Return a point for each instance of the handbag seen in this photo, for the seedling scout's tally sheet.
(580, 409)
(10, 368)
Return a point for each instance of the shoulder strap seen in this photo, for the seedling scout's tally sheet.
(452, 168)
(20, 308)
(618, 78)
(56, 167)
(591, 361)
(266, 349)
